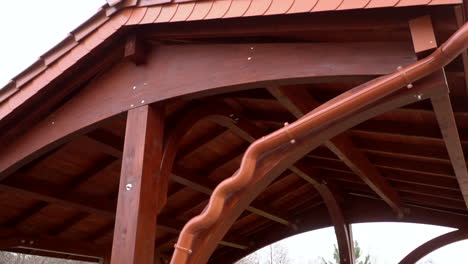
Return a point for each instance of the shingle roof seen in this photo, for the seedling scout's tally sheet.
(120, 13)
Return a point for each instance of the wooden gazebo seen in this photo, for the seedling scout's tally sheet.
(197, 132)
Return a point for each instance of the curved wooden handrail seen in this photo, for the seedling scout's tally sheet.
(306, 127)
(434, 244)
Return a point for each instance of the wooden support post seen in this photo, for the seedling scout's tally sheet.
(135, 227)
(349, 229)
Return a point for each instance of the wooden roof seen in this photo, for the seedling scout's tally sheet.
(64, 119)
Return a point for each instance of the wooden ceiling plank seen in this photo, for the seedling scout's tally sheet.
(299, 102)
(196, 144)
(41, 192)
(448, 127)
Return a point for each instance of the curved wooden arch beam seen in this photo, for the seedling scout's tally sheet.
(268, 169)
(180, 126)
(299, 102)
(206, 68)
(250, 132)
(434, 244)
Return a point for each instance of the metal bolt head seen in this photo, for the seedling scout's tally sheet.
(142, 101)
(409, 86)
(31, 242)
(134, 87)
(53, 123)
(132, 105)
(286, 123)
(419, 96)
(251, 48)
(249, 58)
(399, 68)
(128, 187)
(292, 141)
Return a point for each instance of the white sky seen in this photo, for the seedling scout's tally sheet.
(31, 27)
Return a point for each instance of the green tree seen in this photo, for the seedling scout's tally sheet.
(358, 256)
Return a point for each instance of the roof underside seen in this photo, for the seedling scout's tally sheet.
(69, 193)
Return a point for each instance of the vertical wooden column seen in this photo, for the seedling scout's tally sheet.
(135, 224)
(351, 243)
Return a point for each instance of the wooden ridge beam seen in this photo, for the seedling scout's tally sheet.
(299, 102)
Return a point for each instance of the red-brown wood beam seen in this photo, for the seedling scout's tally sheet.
(423, 35)
(434, 244)
(448, 126)
(135, 226)
(216, 66)
(329, 192)
(460, 15)
(299, 102)
(18, 239)
(136, 49)
(207, 190)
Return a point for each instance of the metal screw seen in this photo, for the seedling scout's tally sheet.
(409, 86)
(53, 123)
(286, 123)
(251, 48)
(134, 87)
(249, 58)
(292, 141)
(128, 186)
(142, 101)
(419, 96)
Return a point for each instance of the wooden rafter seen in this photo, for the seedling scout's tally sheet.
(299, 102)
(13, 238)
(40, 191)
(448, 127)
